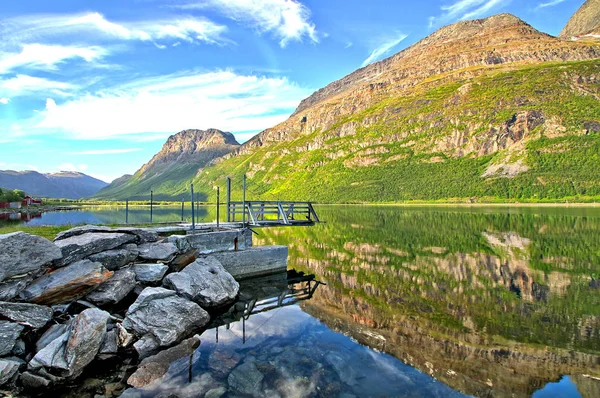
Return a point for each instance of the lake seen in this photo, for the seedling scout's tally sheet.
(417, 301)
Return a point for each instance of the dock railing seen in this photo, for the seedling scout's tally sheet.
(271, 213)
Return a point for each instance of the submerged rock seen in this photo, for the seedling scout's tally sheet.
(115, 259)
(154, 367)
(66, 284)
(35, 316)
(246, 379)
(158, 251)
(115, 289)
(9, 336)
(149, 273)
(78, 247)
(141, 235)
(164, 315)
(206, 282)
(22, 253)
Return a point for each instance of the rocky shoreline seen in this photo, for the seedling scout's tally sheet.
(97, 293)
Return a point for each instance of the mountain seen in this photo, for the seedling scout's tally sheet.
(585, 22)
(486, 108)
(65, 184)
(181, 158)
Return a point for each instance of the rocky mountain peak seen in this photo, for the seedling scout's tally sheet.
(586, 21)
(194, 146)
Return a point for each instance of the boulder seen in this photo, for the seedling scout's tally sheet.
(183, 260)
(9, 336)
(22, 253)
(11, 288)
(156, 366)
(32, 315)
(52, 355)
(158, 251)
(150, 273)
(32, 381)
(8, 370)
(115, 259)
(66, 284)
(53, 332)
(164, 315)
(246, 379)
(206, 282)
(110, 344)
(146, 346)
(78, 247)
(115, 289)
(141, 235)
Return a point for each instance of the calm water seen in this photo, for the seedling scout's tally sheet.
(491, 302)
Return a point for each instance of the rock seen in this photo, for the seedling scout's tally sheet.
(8, 370)
(11, 288)
(78, 247)
(183, 260)
(52, 355)
(246, 379)
(255, 261)
(115, 259)
(161, 313)
(154, 367)
(35, 316)
(158, 251)
(149, 273)
(141, 235)
(66, 284)
(51, 334)
(32, 381)
(215, 392)
(9, 336)
(86, 336)
(115, 289)
(206, 282)
(180, 241)
(222, 360)
(124, 338)
(21, 253)
(146, 346)
(110, 344)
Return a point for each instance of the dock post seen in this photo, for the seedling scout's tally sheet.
(244, 202)
(218, 205)
(182, 204)
(198, 207)
(228, 199)
(151, 204)
(127, 211)
(193, 215)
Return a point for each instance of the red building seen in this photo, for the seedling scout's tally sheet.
(29, 201)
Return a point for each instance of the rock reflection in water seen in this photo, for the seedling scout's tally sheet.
(266, 346)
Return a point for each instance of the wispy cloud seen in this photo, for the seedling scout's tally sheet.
(550, 3)
(24, 85)
(4, 100)
(288, 20)
(106, 151)
(384, 48)
(459, 10)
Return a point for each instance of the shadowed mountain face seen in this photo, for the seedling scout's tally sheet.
(65, 184)
(585, 22)
(181, 158)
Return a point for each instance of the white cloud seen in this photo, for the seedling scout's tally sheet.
(166, 104)
(288, 20)
(550, 3)
(106, 151)
(384, 48)
(24, 84)
(4, 100)
(47, 57)
(460, 10)
(95, 25)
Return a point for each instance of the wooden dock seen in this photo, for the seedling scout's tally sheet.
(271, 213)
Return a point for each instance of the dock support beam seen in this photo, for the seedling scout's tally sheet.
(228, 198)
(151, 204)
(193, 215)
(244, 202)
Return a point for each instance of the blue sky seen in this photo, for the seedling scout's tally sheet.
(98, 85)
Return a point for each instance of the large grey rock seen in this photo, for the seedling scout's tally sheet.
(206, 282)
(115, 259)
(156, 366)
(72, 351)
(149, 273)
(146, 346)
(246, 379)
(8, 370)
(255, 261)
(220, 241)
(158, 251)
(9, 336)
(66, 284)
(11, 288)
(142, 235)
(166, 316)
(115, 289)
(21, 253)
(53, 332)
(35, 316)
(78, 247)
(110, 344)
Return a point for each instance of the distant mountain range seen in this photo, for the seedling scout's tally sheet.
(485, 108)
(65, 184)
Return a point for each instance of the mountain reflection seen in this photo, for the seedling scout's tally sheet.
(492, 302)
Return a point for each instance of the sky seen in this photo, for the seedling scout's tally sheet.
(97, 86)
